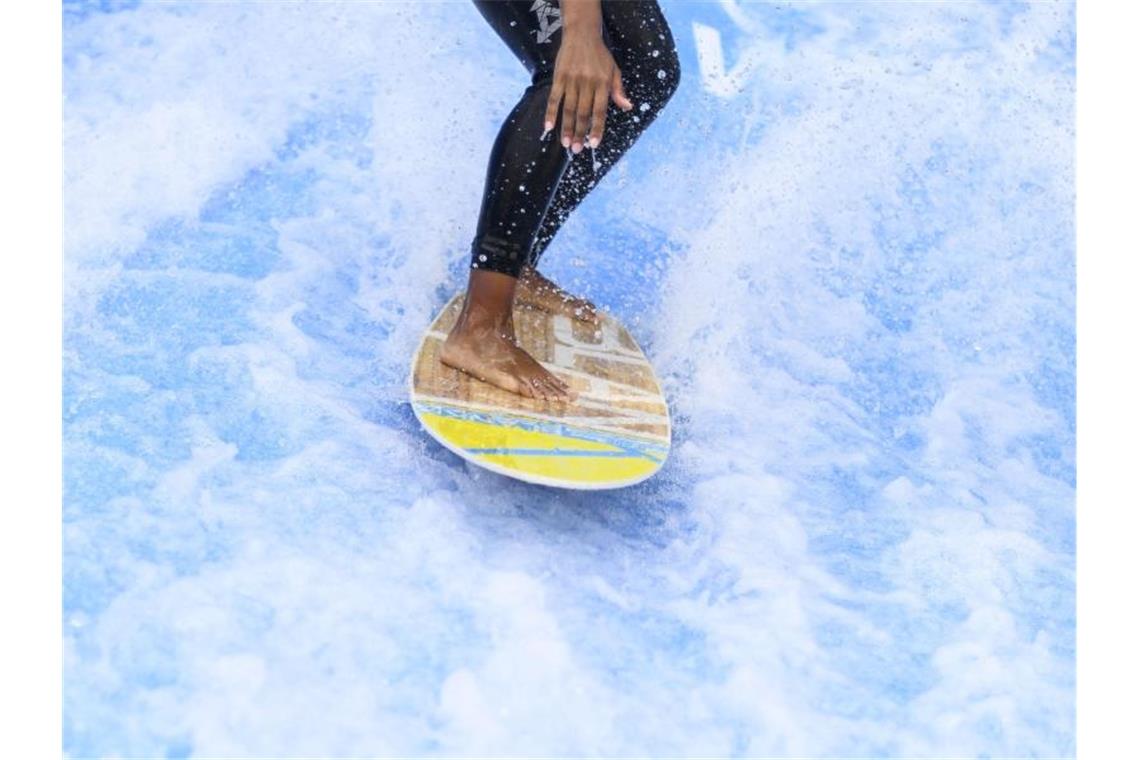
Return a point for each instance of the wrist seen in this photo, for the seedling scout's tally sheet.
(582, 33)
(581, 18)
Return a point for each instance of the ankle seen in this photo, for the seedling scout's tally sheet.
(484, 324)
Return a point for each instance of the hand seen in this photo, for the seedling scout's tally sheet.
(585, 76)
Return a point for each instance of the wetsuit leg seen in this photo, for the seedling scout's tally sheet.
(532, 184)
(523, 170)
(643, 48)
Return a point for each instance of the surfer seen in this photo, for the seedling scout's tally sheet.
(581, 54)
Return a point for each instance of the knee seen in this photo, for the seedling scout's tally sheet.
(659, 78)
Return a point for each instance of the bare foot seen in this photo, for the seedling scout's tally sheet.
(536, 290)
(489, 353)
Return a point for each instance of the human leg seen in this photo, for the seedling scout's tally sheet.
(522, 172)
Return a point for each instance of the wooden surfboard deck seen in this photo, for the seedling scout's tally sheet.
(616, 433)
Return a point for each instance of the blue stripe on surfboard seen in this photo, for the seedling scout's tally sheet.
(555, 453)
(632, 447)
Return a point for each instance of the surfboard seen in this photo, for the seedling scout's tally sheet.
(614, 434)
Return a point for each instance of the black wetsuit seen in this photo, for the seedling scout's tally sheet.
(532, 183)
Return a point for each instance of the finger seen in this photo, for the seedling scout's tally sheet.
(552, 103)
(619, 92)
(582, 117)
(598, 122)
(569, 108)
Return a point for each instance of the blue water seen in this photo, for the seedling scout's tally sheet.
(847, 246)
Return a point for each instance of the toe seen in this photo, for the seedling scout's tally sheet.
(560, 389)
(540, 390)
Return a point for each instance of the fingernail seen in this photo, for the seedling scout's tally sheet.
(549, 125)
(577, 147)
(594, 142)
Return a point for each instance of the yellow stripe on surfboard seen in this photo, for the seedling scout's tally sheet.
(539, 453)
